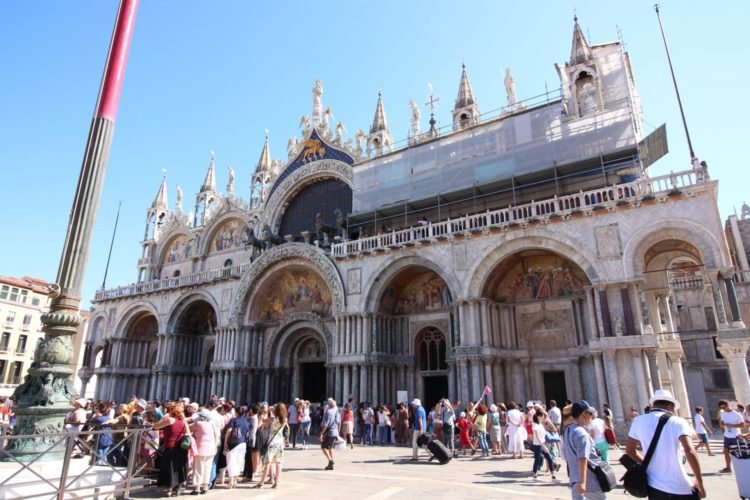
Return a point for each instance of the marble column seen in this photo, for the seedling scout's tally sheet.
(613, 385)
(653, 312)
(464, 381)
(476, 380)
(734, 306)
(735, 352)
(640, 379)
(653, 367)
(678, 384)
(591, 308)
(486, 330)
(347, 390)
(452, 394)
(488, 376)
(497, 382)
(718, 300)
(364, 386)
(601, 389)
(375, 385)
(667, 313)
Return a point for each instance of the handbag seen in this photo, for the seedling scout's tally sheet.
(603, 472)
(635, 479)
(604, 475)
(185, 440)
(264, 446)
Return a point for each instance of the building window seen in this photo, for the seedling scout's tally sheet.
(3, 366)
(35, 301)
(10, 318)
(4, 292)
(720, 379)
(432, 351)
(27, 320)
(327, 198)
(21, 345)
(23, 295)
(15, 375)
(716, 349)
(5, 342)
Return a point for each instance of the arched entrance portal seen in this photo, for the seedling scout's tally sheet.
(310, 369)
(433, 369)
(299, 365)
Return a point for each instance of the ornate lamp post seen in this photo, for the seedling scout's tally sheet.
(45, 396)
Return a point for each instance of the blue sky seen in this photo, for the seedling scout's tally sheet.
(213, 75)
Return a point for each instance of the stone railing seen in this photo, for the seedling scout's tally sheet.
(558, 206)
(170, 283)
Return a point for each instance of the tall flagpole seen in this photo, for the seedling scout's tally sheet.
(46, 395)
(693, 158)
(111, 245)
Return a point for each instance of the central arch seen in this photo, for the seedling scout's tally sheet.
(298, 355)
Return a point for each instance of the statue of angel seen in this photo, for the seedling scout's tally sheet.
(178, 204)
(340, 129)
(415, 115)
(291, 146)
(510, 88)
(317, 93)
(327, 115)
(230, 185)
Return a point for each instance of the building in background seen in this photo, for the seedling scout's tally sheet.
(527, 249)
(22, 302)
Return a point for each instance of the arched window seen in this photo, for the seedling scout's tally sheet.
(176, 274)
(431, 342)
(325, 198)
(228, 263)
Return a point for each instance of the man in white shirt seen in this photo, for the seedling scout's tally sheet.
(554, 414)
(667, 477)
(732, 423)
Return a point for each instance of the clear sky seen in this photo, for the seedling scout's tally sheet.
(213, 75)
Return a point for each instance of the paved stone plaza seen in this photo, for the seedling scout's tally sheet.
(378, 473)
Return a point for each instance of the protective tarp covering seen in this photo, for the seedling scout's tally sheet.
(510, 146)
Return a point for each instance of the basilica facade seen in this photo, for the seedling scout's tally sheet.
(529, 250)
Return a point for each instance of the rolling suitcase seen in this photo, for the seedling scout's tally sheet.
(438, 449)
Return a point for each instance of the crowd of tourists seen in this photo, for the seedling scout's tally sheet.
(195, 447)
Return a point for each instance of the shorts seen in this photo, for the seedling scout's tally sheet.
(728, 442)
(329, 442)
(703, 437)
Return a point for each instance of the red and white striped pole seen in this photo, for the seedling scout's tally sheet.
(46, 395)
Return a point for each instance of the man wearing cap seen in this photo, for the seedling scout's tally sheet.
(667, 478)
(329, 432)
(578, 450)
(420, 425)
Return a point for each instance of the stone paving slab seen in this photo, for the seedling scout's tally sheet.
(376, 473)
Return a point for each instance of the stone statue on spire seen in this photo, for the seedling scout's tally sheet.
(230, 185)
(317, 111)
(510, 88)
(415, 116)
(178, 204)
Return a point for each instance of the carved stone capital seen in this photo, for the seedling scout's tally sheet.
(734, 348)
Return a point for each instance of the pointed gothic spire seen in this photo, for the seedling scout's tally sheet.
(210, 183)
(465, 94)
(264, 162)
(379, 123)
(580, 52)
(161, 197)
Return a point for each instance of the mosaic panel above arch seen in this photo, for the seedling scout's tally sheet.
(415, 290)
(291, 289)
(230, 234)
(536, 275)
(179, 249)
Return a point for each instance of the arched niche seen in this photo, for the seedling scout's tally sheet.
(198, 317)
(231, 233)
(415, 289)
(290, 288)
(534, 275)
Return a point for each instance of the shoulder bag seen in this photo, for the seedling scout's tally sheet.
(603, 472)
(264, 446)
(185, 441)
(635, 479)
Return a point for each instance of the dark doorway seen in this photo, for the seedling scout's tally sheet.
(313, 381)
(555, 388)
(435, 387)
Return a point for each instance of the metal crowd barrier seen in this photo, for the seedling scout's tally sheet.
(71, 447)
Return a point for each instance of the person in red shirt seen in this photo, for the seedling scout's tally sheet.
(464, 427)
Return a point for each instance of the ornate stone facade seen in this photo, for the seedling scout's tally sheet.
(606, 284)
